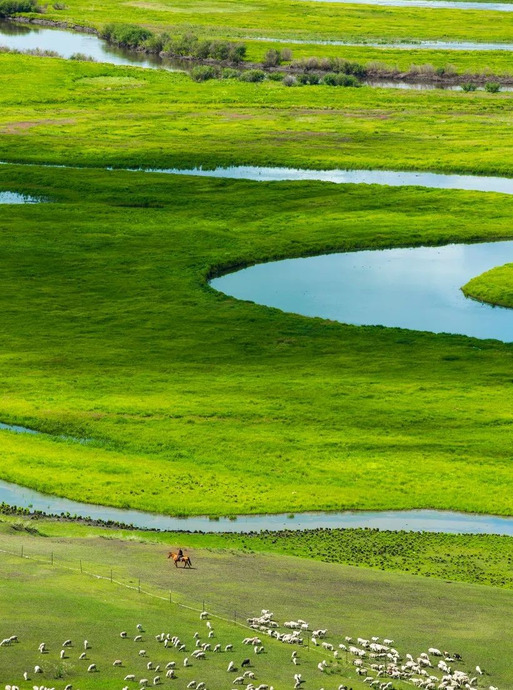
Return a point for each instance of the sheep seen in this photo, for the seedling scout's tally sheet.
(66, 643)
(186, 661)
(129, 677)
(479, 671)
(62, 654)
(203, 615)
(86, 645)
(170, 673)
(68, 687)
(239, 680)
(192, 684)
(142, 652)
(156, 680)
(200, 655)
(246, 662)
(171, 664)
(123, 634)
(82, 656)
(434, 651)
(91, 668)
(149, 665)
(228, 648)
(211, 634)
(138, 638)
(217, 648)
(231, 667)
(201, 686)
(42, 648)
(117, 662)
(143, 682)
(38, 669)
(139, 627)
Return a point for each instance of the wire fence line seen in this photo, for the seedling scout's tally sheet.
(236, 616)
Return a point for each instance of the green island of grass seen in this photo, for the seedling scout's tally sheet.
(493, 287)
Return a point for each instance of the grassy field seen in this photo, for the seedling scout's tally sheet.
(196, 403)
(293, 19)
(416, 612)
(37, 599)
(472, 558)
(90, 114)
(494, 286)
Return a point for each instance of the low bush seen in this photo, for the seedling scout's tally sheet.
(272, 58)
(59, 6)
(127, 35)
(252, 75)
(205, 72)
(469, 86)
(82, 57)
(10, 7)
(276, 76)
(230, 73)
(289, 80)
(492, 87)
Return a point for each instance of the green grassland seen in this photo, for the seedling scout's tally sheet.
(416, 612)
(37, 600)
(59, 111)
(472, 558)
(292, 19)
(494, 286)
(196, 403)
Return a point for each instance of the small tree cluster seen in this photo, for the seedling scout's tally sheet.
(11, 7)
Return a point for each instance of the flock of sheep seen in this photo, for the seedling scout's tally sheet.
(377, 662)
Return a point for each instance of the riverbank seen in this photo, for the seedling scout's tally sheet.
(373, 72)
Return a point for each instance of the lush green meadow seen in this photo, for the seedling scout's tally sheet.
(494, 286)
(293, 19)
(472, 558)
(59, 111)
(416, 612)
(197, 403)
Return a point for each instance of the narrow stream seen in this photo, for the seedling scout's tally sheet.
(15, 198)
(432, 4)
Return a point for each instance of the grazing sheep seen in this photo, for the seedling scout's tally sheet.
(217, 648)
(25, 675)
(171, 664)
(143, 682)
(137, 638)
(68, 687)
(203, 615)
(156, 680)
(123, 634)
(170, 673)
(38, 669)
(200, 686)
(139, 627)
(82, 656)
(117, 662)
(142, 652)
(42, 647)
(246, 662)
(62, 654)
(192, 684)
(66, 643)
(231, 667)
(129, 677)
(86, 645)
(91, 668)
(186, 661)
(478, 670)
(149, 665)
(228, 648)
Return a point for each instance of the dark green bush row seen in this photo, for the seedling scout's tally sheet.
(333, 64)
(188, 45)
(206, 72)
(10, 7)
(127, 35)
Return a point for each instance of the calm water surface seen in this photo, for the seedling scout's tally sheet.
(432, 4)
(15, 198)
(416, 289)
(65, 42)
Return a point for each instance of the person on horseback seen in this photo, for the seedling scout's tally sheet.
(180, 555)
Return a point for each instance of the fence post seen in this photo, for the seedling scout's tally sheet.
(22, 550)
(52, 558)
(170, 597)
(81, 566)
(203, 605)
(139, 587)
(111, 574)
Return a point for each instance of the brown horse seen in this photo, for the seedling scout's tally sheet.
(186, 560)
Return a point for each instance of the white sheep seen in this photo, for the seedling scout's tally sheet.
(186, 661)
(231, 667)
(142, 652)
(91, 668)
(143, 682)
(38, 669)
(156, 680)
(191, 685)
(86, 645)
(117, 662)
(82, 656)
(123, 634)
(170, 673)
(129, 677)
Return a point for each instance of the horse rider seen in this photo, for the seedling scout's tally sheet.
(180, 555)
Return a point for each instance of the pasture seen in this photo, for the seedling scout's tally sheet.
(105, 319)
(416, 612)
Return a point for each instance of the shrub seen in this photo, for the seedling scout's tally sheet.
(272, 58)
(237, 52)
(276, 76)
(155, 43)
(286, 55)
(202, 50)
(469, 86)
(10, 7)
(82, 57)
(289, 80)
(128, 35)
(204, 73)
(330, 79)
(229, 73)
(347, 80)
(182, 46)
(252, 75)
(492, 87)
(59, 6)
